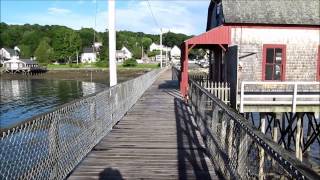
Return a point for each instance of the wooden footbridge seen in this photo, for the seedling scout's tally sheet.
(156, 139)
(143, 129)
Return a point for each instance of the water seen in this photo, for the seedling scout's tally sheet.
(25, 98)
(312, 155)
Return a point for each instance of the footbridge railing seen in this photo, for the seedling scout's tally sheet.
(238, 151)
(50, 145)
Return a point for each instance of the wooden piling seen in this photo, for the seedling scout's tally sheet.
(261, 152)
(298, 136)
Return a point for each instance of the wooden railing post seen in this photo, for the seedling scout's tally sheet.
(242, 97)
(294, 98)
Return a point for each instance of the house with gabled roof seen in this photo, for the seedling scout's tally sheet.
(89, 55)
(263, 42)
(123, 54)
(8, 53)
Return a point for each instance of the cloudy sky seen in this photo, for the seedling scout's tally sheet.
(182, 16)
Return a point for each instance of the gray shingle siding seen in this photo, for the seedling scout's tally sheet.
(269, 12)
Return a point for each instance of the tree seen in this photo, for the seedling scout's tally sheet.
(171, 39)
(86, 35)
(146, 42)
(65, 43)
(44, 52)
(31, 39)
(25, 51)
(137, 53)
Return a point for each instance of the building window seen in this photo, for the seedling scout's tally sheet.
(274, 62)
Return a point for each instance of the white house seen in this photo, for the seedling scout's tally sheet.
(8, 53)
(158, 58)
(88, 55)
(123, 54)
(97, 45)
(127, 53)
(175, 53)
(154, 47)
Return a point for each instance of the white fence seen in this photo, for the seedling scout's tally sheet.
(219, 89)
(279, 93)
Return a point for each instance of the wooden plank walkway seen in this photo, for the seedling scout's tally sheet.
(157, 139)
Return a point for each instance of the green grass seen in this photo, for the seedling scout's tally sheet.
(146, 66)
(80, 66)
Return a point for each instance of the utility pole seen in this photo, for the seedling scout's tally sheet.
(161, 47)
(141, 52)
(112, 43)
(77, 57)
(167, 57)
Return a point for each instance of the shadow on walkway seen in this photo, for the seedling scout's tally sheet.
(110, 174)
(191, 154)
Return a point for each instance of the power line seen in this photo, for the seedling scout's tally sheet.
(153, 16)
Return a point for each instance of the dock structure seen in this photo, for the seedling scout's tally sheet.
(25, 66)
(144, 129)
(156, 139)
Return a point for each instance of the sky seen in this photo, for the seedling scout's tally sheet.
(180, 16)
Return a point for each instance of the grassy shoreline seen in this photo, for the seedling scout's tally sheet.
(84, 67)
(94, 67)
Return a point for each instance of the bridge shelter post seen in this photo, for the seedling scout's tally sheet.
(184, 70)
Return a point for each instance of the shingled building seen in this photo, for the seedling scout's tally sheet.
(260, 41)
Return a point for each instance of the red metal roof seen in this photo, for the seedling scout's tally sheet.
(218, 35)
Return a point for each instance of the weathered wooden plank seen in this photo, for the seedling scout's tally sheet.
(155, 140)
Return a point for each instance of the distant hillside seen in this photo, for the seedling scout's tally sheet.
(61, 43)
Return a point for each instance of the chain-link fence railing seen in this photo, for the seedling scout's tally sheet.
(50, 145)
(239, 151)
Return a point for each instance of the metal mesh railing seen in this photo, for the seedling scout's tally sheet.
(50, 145)
(238, 151)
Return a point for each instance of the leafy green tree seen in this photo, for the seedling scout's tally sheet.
(170, 39)
(44, 52)
(65, 43)
(146, 42)
(130, 63)
(153, 53)
(25, 51)
(137, 52)
(31, 39)
(86, 35)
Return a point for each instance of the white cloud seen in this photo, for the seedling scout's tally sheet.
(80, 1)
(187, 17)
(58, 11)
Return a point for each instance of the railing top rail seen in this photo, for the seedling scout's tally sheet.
(286, 159)
(33, 118)
(280, 83)
(50, 145)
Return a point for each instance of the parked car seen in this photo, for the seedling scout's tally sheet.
(204, 64)
(202, 60)
(192, 61)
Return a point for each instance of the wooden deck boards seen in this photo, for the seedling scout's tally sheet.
(155, 140)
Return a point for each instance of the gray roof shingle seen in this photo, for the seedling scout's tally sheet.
(292, 12)
(88, 50)
(11, 51)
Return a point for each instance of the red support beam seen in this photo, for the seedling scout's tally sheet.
(184, 70)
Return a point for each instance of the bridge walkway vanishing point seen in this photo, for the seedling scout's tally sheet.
(156, 139)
